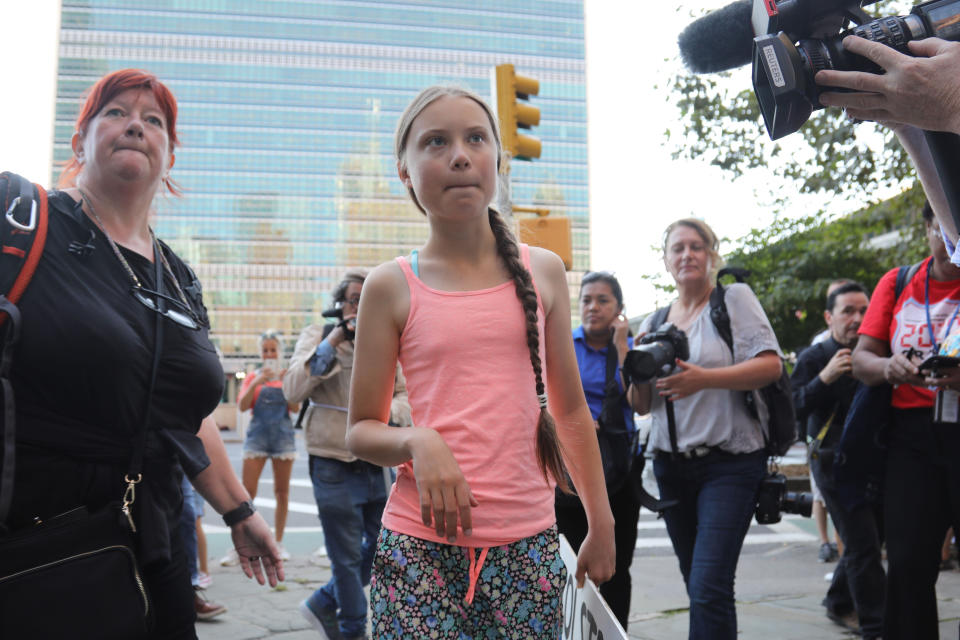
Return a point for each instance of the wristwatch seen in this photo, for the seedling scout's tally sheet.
(244, 511)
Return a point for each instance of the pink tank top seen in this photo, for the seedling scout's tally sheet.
(465, 357)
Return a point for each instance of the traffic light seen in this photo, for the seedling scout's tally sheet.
(546, 231)
(511, 90)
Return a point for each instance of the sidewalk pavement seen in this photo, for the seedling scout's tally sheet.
(779, 589)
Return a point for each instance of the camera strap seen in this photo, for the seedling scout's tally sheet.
(659, 317)
(672, 426)
(611, 413)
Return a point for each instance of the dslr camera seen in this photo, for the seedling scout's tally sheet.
(773, 499)
(797, 38)
(656, 355)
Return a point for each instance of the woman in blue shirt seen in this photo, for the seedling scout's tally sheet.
(604, 327)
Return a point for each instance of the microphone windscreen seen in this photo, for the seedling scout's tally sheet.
(720, 40)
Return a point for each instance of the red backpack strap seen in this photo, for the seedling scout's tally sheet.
(23, 233)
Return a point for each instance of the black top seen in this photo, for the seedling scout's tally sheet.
(81, 371)
(815, 401)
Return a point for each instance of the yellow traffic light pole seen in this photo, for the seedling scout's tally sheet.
(511, 90)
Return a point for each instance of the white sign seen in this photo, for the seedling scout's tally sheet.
(586, 615)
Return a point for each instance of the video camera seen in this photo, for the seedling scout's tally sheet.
(789, 41)
(797, 38)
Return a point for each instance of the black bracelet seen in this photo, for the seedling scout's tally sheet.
(244, 511)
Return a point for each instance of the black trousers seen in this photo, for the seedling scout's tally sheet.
(921, 500)
(171, 594)
(572, 522)
(858, 579)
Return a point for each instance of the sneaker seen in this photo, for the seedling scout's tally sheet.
(206, 609)
(284, 554)
(204, 580)
(231, 559)
(324, 621)
(827, 553)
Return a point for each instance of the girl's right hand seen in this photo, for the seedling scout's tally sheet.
(445, 496)
(597, 558)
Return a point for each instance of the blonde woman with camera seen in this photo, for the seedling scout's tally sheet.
(270, 434)
(713, 459)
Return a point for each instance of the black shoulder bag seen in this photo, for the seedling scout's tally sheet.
(618, 445)
(75, 574)
(859, 459)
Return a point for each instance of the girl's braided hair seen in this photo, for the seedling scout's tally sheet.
(549, 455)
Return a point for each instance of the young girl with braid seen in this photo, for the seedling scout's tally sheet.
(469, 545)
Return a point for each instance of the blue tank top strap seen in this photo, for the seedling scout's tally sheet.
(415, 262)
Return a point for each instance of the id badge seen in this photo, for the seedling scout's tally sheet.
(946, 407)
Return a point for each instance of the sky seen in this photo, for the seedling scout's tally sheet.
(636, 188)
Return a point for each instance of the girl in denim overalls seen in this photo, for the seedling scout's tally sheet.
(270, 433)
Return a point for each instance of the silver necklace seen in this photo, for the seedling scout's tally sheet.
(116, 251)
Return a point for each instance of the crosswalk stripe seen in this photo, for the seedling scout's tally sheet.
(783, 532)
(297, 507)
(294, 482)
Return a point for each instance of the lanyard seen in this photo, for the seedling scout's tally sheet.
(926, 304)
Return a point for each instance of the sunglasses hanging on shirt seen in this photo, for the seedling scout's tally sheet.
(176, 310)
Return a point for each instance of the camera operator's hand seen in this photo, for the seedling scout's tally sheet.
(338, 334)
(922, 91)
(692, 378)
(839, 364)
(946, 379)
(900, 369)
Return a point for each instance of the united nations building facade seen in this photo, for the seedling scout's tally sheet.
(287, 113)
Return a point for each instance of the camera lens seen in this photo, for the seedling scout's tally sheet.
(648, 360)
(800, 503)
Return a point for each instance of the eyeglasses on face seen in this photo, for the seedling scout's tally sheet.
(176, 310)
(354, 301)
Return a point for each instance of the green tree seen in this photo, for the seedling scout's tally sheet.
(792, 261)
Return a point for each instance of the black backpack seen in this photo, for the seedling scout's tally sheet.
(772, 405)
(23, 233)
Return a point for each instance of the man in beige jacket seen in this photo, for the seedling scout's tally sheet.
(350, 493)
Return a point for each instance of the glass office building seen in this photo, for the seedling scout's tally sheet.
(287, 112)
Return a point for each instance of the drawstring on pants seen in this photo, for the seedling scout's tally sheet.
(476, 564)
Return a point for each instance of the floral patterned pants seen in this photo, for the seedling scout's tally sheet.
(419, 588)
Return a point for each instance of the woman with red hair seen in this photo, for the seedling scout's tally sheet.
(82, 367)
